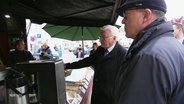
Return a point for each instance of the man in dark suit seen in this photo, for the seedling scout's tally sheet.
(107, 60)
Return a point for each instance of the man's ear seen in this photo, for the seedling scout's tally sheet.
(147, 15)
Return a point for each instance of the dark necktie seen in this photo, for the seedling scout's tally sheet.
(106, 52)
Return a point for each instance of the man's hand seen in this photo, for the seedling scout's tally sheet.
(64, 66)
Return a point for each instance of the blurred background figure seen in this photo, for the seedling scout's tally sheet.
(79, 52)
(19, 54)
(178, 26)
(44, 52)
(58, 49)
(95, 46)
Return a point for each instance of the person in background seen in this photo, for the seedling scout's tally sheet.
(44, 52)
(179, 32)
(153, 69)
(19, 54)
(58, 49)
(80, 52)
(95, 46)
(107, 60)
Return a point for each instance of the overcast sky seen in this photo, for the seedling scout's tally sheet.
(175, 9)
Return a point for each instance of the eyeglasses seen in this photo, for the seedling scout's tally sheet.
(105, 37)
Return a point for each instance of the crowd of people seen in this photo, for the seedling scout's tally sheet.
(149, 72)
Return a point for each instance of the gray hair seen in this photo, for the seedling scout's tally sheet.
(158, 13)
(113, 29)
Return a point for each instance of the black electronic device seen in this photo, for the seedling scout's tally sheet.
(46, 81)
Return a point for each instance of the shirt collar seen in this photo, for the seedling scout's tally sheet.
(111, 48)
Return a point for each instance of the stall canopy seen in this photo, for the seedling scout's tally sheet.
(73, 33)
(64, 12)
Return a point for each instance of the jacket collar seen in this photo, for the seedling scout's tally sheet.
(155, 29)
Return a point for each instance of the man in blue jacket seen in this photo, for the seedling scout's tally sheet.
(44, 52)
(153, 71)
(106, 60)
